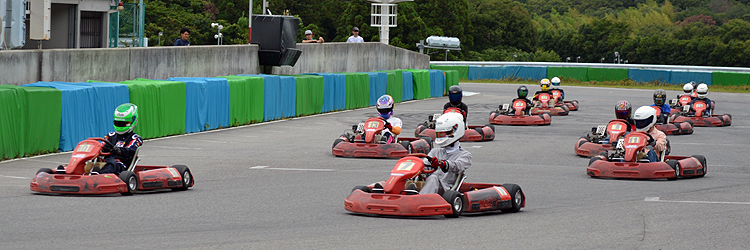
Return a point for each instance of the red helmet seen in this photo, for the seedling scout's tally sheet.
(623, 110)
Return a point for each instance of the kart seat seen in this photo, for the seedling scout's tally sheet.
(135, 159)
(459, 180)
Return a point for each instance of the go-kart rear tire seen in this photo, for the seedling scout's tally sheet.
(702, 160)
(457, 204)
(676, 166)
(187, 177)
(481, 133)
(45, 170)
(131, 182)
(406, 145)
(491, 127)
(429, 142)
(337, 141)
(516, 198)
(593, 159)
(365, 189)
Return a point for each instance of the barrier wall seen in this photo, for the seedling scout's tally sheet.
(730, 79)
(352, 57)
(568, 72)
(207, 103)
(107, 97)
(606, 74)
(309, 94)
(527, 73)
(13, 130)
(421, 81)
(437, 83)
(378, 85)
(161, 107)
(395, 84)
(357, 90)
(451, 78)
(246, 98)
(463, 71)
(647, 75)
(31, 119)
(682, 77)
(334, 91)
(408, 84)
(280, 96)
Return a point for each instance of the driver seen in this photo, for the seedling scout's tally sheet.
(544, 85)
(455, 94)
(688, 89)
(125, 141)
(392, 124)
(702, 91)
(522, 93)
(448, 155)
(555, 83)
(645, 118)
(622, 112)
(660, 98)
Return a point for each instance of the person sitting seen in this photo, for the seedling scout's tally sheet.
(522, 93)
(455, 95)
(645, 119)
(702, 91)
(660, 98)
(125, 141)
(555, 83)
(448, 155)
(544, 84)
(622, 112)
(392, 124)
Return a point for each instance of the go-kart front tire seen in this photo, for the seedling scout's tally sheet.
(45, 170)
(702, 160)
(457, 204)
(187, 177)
(365, 189)
(131, 182)
(516, 198)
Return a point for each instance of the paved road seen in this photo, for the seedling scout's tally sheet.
(277, 186)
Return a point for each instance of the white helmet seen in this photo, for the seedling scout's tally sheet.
(449, 128)
(555, 81)
(701, 90)
(688, 87)
(645, 118)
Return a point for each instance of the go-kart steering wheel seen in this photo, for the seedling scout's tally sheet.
(107, 146)
(422, 155)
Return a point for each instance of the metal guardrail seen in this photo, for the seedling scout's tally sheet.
(595, 65)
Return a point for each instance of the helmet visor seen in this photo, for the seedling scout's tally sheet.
(659, 100)
(622, 114)
(643, 123)
(122, 124)
(455, 98)
(523, 93)
(444, 134)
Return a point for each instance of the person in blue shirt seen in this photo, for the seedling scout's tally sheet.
(184, 36)
(660, 101)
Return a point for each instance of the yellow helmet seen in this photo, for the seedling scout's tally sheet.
(544, 84)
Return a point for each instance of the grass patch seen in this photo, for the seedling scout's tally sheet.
(627, 83)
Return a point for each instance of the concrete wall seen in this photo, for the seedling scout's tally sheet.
(352, 57)
(118, 64)
(20, 67)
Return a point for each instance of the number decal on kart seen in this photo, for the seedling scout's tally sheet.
(699, 105)
(616, 127)
(634, 140)
(519, 104)
(84, 148)
(372, 124)
(405, 166)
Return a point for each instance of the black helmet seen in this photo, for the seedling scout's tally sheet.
(660, 96)
(623, 109)
(522, 91)
(455, 94)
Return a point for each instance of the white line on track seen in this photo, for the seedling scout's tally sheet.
(14, 177)
(656, 199)
(152, 146)
(293, 169)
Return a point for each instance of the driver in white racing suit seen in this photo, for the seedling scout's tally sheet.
(448, 155)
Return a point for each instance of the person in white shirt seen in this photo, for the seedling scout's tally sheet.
(392, 124)
(355, 38)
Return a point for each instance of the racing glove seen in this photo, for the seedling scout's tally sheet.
(116, 150)
(388, 126)
(442, 164)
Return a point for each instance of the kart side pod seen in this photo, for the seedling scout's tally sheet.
(487, 199)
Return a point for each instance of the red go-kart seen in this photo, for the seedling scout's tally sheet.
(557, 94)
(76, 177)
(677, 128)
(365, 141)
(395, 199)
(594, 143)
(546, 104)
(626, 161)
(700, 117)
(473, 133)
(684, 100)
(503, 116)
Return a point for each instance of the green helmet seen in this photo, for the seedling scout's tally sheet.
(126, 117)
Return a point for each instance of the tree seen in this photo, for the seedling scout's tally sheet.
(501, 23)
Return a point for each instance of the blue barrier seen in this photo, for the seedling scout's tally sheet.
(493, 73)
(378, 85)
(288, 96)
(525, 72)
(207, 103)
(648, 75)
(437, 83)
(681, 77)
(280, 96)
(408, 83)
(334, 89)
(76, 117)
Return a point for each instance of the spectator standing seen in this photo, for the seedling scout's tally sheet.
(184, 36)
(355, 38)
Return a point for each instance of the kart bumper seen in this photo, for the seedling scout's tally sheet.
(77, 184)
(521, 120)
(396, 204)
(586, 148)
(375, 150)
(687, 167)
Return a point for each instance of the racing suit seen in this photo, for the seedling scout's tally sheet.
(709, 108)
(462, 106)
(391, 135)
(660, 144)
(457, 159)
(562, 94)
(666, 110)
(526, 111)
(127, 144)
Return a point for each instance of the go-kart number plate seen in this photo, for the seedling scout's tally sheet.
(620, 142)
(372, 125)
(616, 127)
(600, 129)
(405, 166)
(634, 140)
(85, 148)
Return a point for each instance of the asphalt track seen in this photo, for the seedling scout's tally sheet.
(276, 186)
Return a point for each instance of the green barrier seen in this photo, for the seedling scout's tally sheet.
(246, 99)
(12, 117)
(730, 78)
(161, 107)
(606, 74)
(463, 71)
(310, 92)
(451, 78)
(357, 90)
(395, 84)
(30, 120)
(577, 73)
(421, 83)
